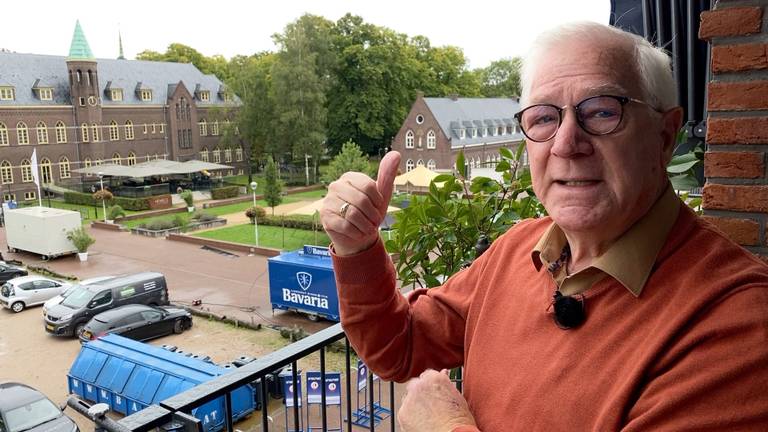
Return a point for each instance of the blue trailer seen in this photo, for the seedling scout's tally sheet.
(129, 376)
(303, 281)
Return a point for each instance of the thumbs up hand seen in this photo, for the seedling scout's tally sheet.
(356, 205)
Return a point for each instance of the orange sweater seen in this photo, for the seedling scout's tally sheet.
(689, 354)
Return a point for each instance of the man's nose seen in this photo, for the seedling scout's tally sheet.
(571, 140)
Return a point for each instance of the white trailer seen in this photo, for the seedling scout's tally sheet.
(41, 230)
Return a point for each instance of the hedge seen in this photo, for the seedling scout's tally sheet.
(136, 204)
(296, 221)
(224, 192)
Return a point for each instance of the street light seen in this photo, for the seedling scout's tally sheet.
(256, 216)
(103, 204)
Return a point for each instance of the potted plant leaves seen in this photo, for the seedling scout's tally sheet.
(82, 241)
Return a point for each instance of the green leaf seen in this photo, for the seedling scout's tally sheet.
(682, 167)
(520, 150)
(460, 164)
(502, 166)
(431, 281)
(505, 152)
(684, 182)
(443, 178)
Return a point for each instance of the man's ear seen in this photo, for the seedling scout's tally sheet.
(672, 120)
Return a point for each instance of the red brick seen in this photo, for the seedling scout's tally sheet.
(742, 130)
(735, 58)
(751, 198)
(743, 231)
(738, 96)
(736, 21)
(734, 164)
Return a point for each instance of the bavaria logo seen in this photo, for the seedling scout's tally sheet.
(304, 279)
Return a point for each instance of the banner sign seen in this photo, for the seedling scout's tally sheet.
(317, 251)
(332, 388)
(288, 389)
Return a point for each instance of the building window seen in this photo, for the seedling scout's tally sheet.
(84, 132)
(81, 101)
(146, 95)
(9, 197)
(162, 127)
(116, 95)
(3, 134)
(462, 133)
(95, 132)
(431, 164)
(131, 161)
(474, 132)
(98, 162)
(6, 172)
(26, 171)
(61, 132)
(204, 154)
(420, 162)
(409, 139)
(239, 154)
(42, 133)
(45, 94)
(87, 162)
(240, 171)
(215, 128)
(30, 195)
(116, 159)
(129, 130)
(409, 165)
(154, 128)
(228, 155)
(216, 155)
(64, 168)
(431, 139)
(205, 96)
(203, 128)
(145, 128)
(46, 174)
(419, 119)
(22, 134)
(7, 93)
(114, 133)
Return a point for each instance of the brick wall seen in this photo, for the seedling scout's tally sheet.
(736, 191)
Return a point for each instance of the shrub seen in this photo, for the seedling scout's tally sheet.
(80, 239)
(255, 212)
(159, 224)
(202, 216)
(187, 197)
(224, 192)
(103, 195)
(135, 204)
(295, 221)
(115, 212)
(181, 222)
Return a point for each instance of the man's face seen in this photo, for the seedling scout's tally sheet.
(596, 184)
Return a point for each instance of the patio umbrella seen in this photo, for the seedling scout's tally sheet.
(419, 178)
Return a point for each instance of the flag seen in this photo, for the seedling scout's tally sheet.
(35, 175)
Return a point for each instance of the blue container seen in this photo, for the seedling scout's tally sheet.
(129, 376)
(303, 281)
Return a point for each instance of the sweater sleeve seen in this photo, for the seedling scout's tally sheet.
(715, 376)
(399, 337)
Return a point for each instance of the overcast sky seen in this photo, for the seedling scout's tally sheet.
(486, 30)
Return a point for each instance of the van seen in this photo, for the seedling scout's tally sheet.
(69, 317)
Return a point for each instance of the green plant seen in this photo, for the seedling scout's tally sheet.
(103, 195)
(188, 197)
(224, 192)
(80, 239)
(350, 158)
(135, 204)
(255, 212)
(115, 212)
(273, 187)
(181, 221)
(202, 216)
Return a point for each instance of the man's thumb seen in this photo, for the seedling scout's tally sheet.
(386, 177)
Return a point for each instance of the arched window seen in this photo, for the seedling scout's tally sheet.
(79, 75)
(409, 139)
(409, 165)
(116, 159)
(131, 161)
(431, 164)
(42, 133)
(64, 168)
(203, 127)
(420, 162)
(215, 128)
(98, 162)
(84, 132)
(95, 132)
(61, 132)
(472, 162)
(22, 134)
(129, 130)
(239, 154)
(114, 132)
(228, 155)
(26, 171)
(488, 160)
(3, 134)
(431, 139)
(204, 154)
(6, 172)
(46, 173)
(216, 155)
(87, 162)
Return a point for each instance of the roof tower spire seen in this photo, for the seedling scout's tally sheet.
(79, 49)
(120, 39)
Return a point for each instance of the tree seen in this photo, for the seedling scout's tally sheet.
(273, 186)
(501, 78)
(252, 78)
(350, 158)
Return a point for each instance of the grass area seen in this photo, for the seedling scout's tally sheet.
(88, 213)
(269, 236)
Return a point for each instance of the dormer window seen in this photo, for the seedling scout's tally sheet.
(205, 96)
(117, 95)
(146, 95)
(7, 93)
(474, 132)
(45, 94)
(462, 133)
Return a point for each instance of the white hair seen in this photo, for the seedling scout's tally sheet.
(652, 65)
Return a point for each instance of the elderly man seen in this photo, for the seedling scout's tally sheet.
(622, 310)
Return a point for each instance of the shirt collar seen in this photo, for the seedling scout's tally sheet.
(629, 259)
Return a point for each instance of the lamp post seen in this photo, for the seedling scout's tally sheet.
(256, 216)
(103, 204)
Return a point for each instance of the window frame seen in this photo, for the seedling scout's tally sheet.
(64, 168)
(22, 133)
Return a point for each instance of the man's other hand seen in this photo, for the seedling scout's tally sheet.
(354, 227)
(432, 404)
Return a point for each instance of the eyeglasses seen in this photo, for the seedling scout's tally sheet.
(596, 115)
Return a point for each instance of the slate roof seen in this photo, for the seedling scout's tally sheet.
(474, 112)
(23, 70)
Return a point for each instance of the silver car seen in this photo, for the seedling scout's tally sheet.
(22, 292)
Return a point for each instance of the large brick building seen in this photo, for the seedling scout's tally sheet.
(436, 129)
(77, 111)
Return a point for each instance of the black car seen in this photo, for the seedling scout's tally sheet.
(23, 408)
(8, 272)
(138, 322)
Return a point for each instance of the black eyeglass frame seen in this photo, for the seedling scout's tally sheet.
(623, 100)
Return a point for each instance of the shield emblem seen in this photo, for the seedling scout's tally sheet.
(304, 279)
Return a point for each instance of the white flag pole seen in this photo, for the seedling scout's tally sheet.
(36, 176)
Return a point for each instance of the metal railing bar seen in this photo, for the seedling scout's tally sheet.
(296, 391)
(323, 414)
(371, 406)
(264, 405)
(228, 411)
(392, 404)
(348, 384)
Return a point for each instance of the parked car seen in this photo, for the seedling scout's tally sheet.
(23, 408)
(8, 272)
(25, 291)
(138, 322)
(56, 300)
(69, 317)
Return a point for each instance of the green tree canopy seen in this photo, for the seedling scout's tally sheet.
(350, 158)
(274, 186)
(501, 78)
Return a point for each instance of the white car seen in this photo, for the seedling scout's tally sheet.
(22, 292)
(58, 299)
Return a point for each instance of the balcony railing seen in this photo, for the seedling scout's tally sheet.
(177, 410)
